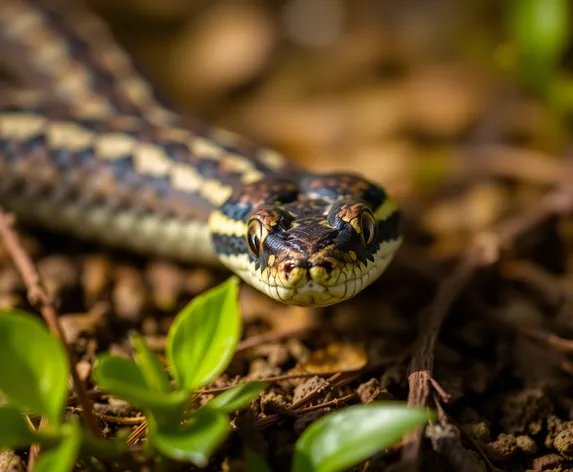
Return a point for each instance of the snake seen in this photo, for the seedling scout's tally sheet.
(88, 149)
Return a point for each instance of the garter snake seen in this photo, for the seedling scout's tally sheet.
(89, 150)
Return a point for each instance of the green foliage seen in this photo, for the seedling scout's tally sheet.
(200, 344)
(237, 397)
(35, 378)
(255, 463)
(151, 368)
(62, 457)
(540, 32)
(15, 431)
(349, 436)
(127, 380)
(203, 337)
(196, 440)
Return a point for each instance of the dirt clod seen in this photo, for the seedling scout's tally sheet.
(547, 463)
(526, 444)
(525, 411)
(503, 448)
(307, 387)
(479, 431)
(564, 443)
(371, 390)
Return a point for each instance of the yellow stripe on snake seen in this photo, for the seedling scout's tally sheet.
(88, 150)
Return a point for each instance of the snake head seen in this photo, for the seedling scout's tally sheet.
(312, 244)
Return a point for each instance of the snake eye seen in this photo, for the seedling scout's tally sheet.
(255, 235)
(368, 227)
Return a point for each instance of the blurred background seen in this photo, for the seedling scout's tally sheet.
(462, 110)
(423, 96)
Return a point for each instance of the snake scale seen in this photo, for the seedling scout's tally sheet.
(86, 148)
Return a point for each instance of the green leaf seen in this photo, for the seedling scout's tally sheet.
(238, 397)
(150, 365)
(254, 462)
(14, 430)
(540, 29)
(123, 378)
(63, 457)
(107, 449)
(194, 441)
(35, 367)
(345, 438)
(204, 335)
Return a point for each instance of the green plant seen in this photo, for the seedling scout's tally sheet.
(347, 437)
(200, 345)
(538, 37)
(539, 30)
(33, 381)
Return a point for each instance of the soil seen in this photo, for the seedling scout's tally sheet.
(473, 318)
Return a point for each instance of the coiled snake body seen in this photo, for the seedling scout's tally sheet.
(89, 150)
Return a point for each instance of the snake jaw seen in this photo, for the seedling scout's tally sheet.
(312, 290)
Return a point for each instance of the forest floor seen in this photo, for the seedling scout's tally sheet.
(474, 318)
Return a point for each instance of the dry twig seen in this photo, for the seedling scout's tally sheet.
(38, 296)
(274, 336)
(483, 251)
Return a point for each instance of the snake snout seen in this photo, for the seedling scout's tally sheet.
(320, 272)
(294, 273)
(301, 271)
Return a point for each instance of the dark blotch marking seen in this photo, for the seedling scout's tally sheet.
(31, 145)
(334, 186)
(390, 229)
(230, 244)
(7, 150)
(258, 195)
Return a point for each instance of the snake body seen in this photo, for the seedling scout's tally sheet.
(102, 158)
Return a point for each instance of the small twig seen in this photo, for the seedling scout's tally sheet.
(474, 444)
(446, 439)
(137, 434)
(483, 251)
(335, 402)
(39, 297)
(274, 336)
(553, 288)
(555, 357)
(123, 420)
(34, 448)
(538, 336)
(336, 381)
(272, 419)
(422, 363)
(444, 396)
(275, 379)
(328, 386)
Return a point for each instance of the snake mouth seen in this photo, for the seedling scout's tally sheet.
(309, 291)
